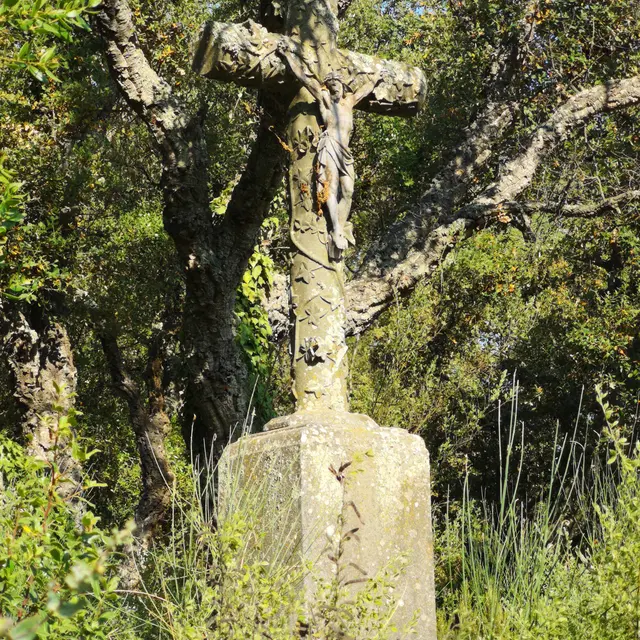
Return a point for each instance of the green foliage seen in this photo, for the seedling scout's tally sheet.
(553, 575)
(32, 22)
(562, 312)
(204, 587)
(253, 329)
(11, 206)
(26, 30)
(56, 564)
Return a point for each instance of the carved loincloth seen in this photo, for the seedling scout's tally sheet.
(332, 153)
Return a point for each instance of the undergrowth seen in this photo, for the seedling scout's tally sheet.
(565, 568)
(569, 570)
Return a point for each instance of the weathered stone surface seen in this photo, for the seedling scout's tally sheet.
(246, 54)
(322, 85)
(303, 502)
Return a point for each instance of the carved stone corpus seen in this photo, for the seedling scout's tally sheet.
(322, 85)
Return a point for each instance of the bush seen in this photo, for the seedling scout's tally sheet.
(56, 564)
(569, 571)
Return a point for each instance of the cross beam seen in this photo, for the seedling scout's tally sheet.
(322, 85)
(246, 54)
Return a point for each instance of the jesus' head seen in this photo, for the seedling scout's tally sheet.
(334, 84)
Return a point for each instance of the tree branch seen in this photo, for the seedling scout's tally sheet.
(519, 172)
(415, 246)
(452, 184)
(148, 95)
(151, 426)
(252, 196)
(574, 210)
(213, 252)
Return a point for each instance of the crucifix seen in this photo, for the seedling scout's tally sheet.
(298, 455)
(322, 85)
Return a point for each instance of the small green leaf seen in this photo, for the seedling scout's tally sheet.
(47, 55)
(28, 628)
(36, 73)
(24, 51)
(69, 609)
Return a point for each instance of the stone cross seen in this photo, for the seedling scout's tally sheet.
(322, 85)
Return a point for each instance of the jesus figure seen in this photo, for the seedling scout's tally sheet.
(335, 173)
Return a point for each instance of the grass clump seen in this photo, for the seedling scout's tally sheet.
(570, 570)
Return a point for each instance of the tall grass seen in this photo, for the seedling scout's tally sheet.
(233, 569)
(570, 570)
(208, 579)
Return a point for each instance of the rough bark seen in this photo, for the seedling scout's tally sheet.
(214, 253)
(614, 204)
(343, 7)
(40, 359)
(517, 174)
(151, 426)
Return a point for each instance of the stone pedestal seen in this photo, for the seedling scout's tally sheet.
(310, 498)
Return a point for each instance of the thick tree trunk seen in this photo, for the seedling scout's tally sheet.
(214, 253)
(40, 360)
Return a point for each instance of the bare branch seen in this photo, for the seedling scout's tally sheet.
(251, 198)
(371, 293)
(574, 210)
(519, 172)
(452, 184)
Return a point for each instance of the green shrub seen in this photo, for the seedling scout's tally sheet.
(569, 571)
(56, 564)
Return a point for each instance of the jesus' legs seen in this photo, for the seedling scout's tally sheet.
(338, 242)
(337, 233)
(346, 195)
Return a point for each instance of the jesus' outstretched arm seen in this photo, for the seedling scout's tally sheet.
(366, 88)
(296, 65)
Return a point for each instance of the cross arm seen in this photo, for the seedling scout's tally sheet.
(247, 54)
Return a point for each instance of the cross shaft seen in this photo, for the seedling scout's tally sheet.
(322, 85)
